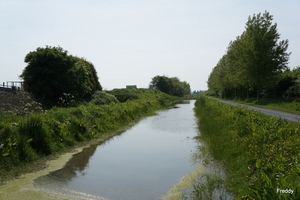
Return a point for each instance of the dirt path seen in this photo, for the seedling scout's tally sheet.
(284, 115)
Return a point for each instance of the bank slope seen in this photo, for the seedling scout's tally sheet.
(259, 153)
(25, 139)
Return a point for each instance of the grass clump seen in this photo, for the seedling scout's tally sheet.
(259, 153)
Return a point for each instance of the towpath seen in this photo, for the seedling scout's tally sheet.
(283, 115)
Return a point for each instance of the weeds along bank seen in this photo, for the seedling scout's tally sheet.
(24, 139)
(260, 154)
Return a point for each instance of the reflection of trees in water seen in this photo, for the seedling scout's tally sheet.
(76, 164)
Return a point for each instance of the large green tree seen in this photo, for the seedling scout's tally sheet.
(266, 56)
(163, 84)
(51, 72)
(255, 60)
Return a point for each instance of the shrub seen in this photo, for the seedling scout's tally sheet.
(61, 73)
(34, 129)
(124, 95)
(101, 97)
(66, 100)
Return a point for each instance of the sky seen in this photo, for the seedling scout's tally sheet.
(131, 41)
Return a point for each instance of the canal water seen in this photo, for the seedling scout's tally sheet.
(142, 163)
(145, 162)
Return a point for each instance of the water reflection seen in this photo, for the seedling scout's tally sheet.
(76, 165)
(57, 181)
(143, 163)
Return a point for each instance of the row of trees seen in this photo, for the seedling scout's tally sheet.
(172, 86)
(253, 63)
(54, 77)
(51, 74)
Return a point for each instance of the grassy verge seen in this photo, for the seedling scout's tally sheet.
(26, 140)
(259, 153)
(284, 105)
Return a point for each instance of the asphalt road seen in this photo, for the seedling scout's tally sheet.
(283, 115)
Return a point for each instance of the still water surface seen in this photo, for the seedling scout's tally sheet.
(143, 163)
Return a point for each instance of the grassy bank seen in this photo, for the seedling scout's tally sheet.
(259, 153)
(284, 105)
(26, 139)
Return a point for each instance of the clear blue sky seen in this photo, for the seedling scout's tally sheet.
(131, 41)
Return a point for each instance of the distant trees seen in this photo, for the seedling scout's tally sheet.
(254, 61)
(197, 92)
(172, 86)
(51, 72)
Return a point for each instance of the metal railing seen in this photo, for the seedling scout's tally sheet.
(10, 86)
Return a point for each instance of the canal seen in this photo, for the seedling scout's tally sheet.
(144, 162)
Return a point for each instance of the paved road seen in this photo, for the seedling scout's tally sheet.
(284, 115)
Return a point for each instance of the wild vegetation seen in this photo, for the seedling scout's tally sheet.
(259, 153)
(24, 139)
(255, 64)
(102, 97)
(71, 108)
(124, 95)
(289, 105)
(19, 103)
(51, 74)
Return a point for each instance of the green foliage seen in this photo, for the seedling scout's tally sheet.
(84, 78)
(101, 97)
(172, 86)
(51, 72)
(124, 95)
(66, 100)
(289, 105)
(37, 133)
(259, 153)
(204, 187)
(254, 61)
(289, 83)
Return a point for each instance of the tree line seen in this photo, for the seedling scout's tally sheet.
(56, 78)
(172, 86)
(255, 64)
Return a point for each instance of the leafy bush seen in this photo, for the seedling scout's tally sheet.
(60, 73)
(101, 97)
(66, 100)
(124, 95)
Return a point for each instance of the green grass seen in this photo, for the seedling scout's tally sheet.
(259, 153)
(26, 139)
(285, 105)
